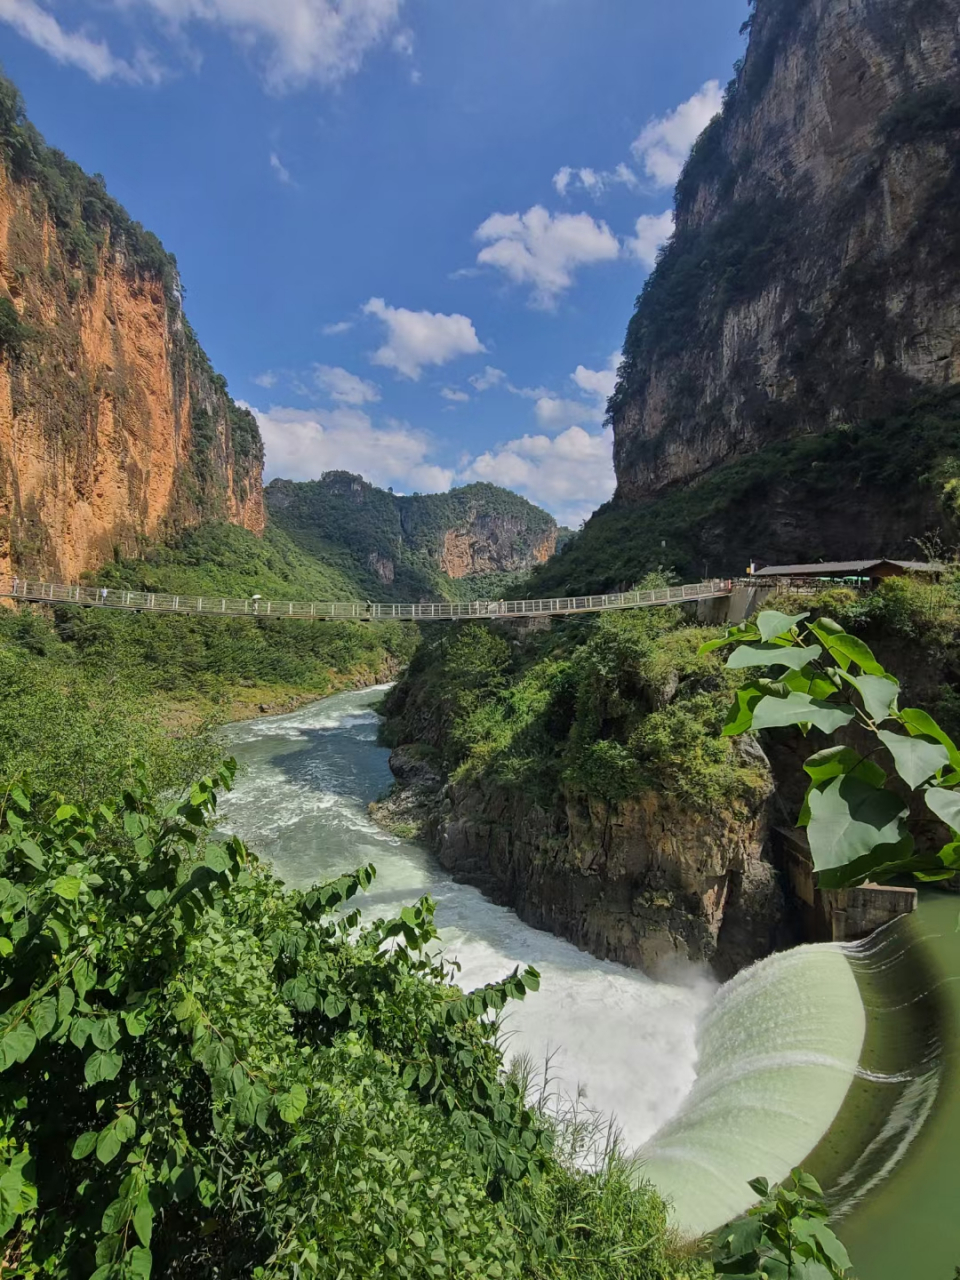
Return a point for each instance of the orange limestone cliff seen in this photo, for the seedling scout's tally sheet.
(491, 544)
(114, 430)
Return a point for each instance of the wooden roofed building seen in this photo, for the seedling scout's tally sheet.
(862, 571)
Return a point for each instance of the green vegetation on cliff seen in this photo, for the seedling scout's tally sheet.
(604, 707)
(391, 546)
(223, 559)
(747, 510)
(85, 216)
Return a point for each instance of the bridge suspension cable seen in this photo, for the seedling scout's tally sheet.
(367, 611)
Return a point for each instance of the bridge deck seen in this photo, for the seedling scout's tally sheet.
(220, 606)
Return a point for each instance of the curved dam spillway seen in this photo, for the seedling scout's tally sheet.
(829, 1056)
(778, 1053)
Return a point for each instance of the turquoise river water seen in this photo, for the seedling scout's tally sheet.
(843, 1058)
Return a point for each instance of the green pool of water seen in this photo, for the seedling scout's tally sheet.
(907, 1225)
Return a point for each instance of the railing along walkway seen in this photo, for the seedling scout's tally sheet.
(221, 606)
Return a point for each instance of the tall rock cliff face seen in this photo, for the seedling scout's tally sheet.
(114, 429)
(406, 542)
(814, 278)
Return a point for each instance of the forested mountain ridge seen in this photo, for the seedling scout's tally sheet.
(789, 383)
(115, 431)
(414, 546)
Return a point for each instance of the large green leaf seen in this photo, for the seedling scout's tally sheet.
(734, 635)
(916, 758)
(773, 655)
(17, 1045)
(817, 1233)
(84, 1144)
(800, 708)
(774, 624)
(879, 695)
(292, 1104)
(919, 722)
(881, 865)
(43, 1017)
(836, 762)
(102, 1066)
(108, 1145)
(68, 887)
(139, 1261)
(848, 649)
(848, 819)
(740, 718)
(945, 804)
(808, 1269)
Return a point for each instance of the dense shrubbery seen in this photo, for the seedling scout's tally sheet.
(604, 707)
(922, 114)
(78, 729)
(204, 1075)
(122, 657)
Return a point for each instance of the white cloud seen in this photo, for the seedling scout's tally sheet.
(663, 146)
(266, 379)
(418, 338)
(402, 43)
(452, 394)
(341, 326)
(652, 232)
(593, 182)
(279, 168)
(344, 387)
(544, 250)
(599, 383)
(554, 413)
(490, 377)
(302, 444)
(300, 41)
(570, 475)
(74, 48)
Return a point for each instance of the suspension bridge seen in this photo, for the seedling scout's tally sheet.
(364, 611)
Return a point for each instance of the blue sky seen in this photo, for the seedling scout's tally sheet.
(411, 232)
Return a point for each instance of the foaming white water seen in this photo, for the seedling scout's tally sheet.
(778, 1053)
(627, 1042)
(778, 1046)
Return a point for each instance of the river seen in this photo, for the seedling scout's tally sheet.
(711, 1085)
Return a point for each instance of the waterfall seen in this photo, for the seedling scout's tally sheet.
(778, 1053)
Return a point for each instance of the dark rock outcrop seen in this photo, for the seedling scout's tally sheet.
(644, 882)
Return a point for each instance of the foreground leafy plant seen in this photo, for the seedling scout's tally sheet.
(205, 1074)
(855, 812)
(785, 1237)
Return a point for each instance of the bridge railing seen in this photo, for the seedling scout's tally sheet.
(225, 606)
